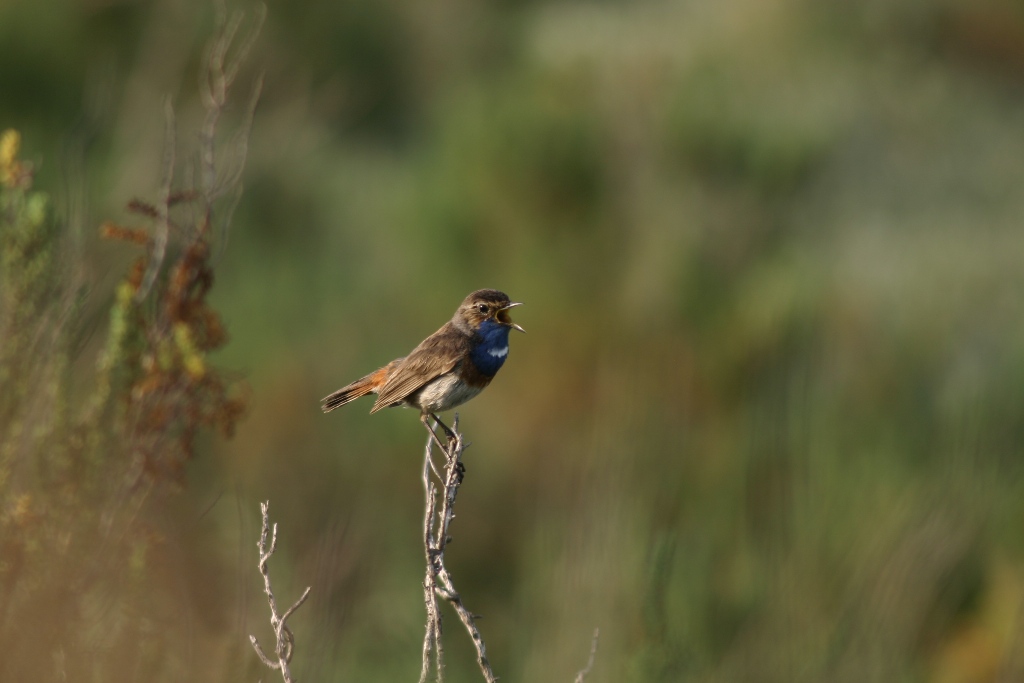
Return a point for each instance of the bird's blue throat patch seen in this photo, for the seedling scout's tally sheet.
(491, 350)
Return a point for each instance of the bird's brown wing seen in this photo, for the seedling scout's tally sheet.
(437, 354)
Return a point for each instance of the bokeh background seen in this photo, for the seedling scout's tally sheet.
(766, 424)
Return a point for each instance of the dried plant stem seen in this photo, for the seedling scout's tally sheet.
(223, 58)
(582, 673)
(163, 207)
(285, 644)
(438, 582)
(432, 636)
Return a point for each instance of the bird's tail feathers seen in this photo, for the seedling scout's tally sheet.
(361, 387)
(349, 393)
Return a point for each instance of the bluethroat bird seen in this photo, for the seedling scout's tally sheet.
(448, 368)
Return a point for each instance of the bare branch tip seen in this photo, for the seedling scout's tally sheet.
(582, 674)
(263, 657)
(298, 604)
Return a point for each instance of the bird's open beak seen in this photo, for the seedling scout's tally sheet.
(505, 319)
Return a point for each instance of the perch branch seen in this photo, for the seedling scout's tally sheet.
(438, 581)
(431, 639)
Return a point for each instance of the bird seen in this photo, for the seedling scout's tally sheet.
(447, 369)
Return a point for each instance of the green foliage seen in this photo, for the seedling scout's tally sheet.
(27, 258)
(744, 134)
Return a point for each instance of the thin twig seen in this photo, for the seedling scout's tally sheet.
(233, 178)
(163, 207)
(438, 580)
(590, 660)
(285, 639)
(219, 72)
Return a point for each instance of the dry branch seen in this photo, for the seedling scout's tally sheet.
(438, 582)
(285, 639)
(582, 673)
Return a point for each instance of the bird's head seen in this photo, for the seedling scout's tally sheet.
(487, 304)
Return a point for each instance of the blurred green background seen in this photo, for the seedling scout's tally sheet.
(767, 421)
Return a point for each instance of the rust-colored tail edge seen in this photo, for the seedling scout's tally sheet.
(361, 387)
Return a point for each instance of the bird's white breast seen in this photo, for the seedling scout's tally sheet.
(445, 393)
(498, 353)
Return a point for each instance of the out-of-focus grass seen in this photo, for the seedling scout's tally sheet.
(766, 421)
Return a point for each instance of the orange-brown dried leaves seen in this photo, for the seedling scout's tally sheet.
(190, 282)
(143, 209)
(174, 393)
(113, 231)
(137, 272)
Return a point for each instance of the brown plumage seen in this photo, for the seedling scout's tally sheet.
(448, 368)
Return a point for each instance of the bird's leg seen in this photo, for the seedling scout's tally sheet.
(452, 436)
(433, 435)
(453, 439)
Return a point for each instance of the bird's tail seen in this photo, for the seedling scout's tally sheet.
(348, 393)
(361, 387)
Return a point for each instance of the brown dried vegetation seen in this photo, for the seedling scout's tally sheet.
(84, 450)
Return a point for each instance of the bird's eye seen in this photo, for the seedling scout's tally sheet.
(482, 308)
